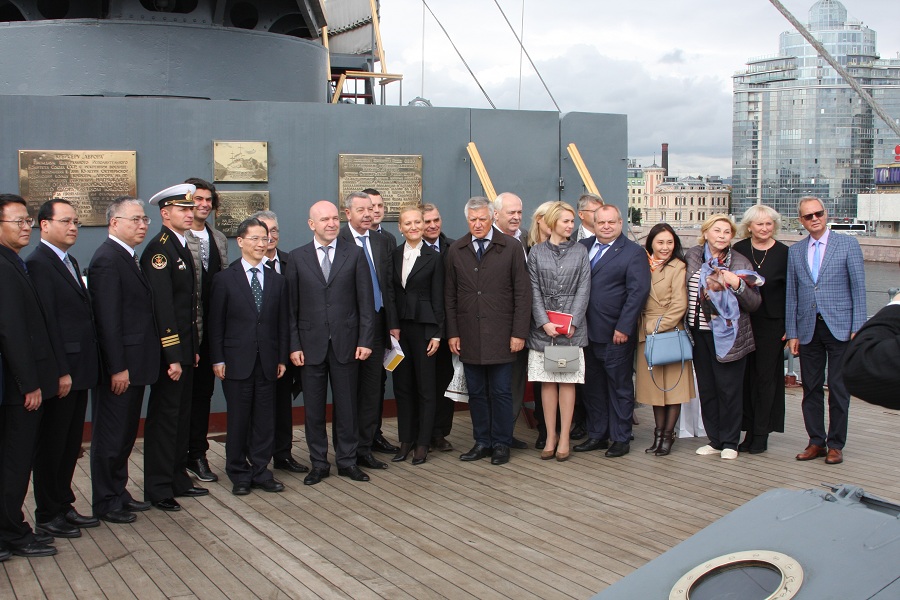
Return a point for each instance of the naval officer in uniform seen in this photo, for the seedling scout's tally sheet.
(169, 267)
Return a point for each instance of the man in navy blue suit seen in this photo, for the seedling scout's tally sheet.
(826, 306)
(248, 348)
(620, 284)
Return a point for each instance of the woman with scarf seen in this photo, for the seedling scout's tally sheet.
(560, 281)
(671, 385)
(764, 380)
(719, 303)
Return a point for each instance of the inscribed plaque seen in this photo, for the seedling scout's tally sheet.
(235, 206)
(240, 161)
(89, 179)
(397, 176)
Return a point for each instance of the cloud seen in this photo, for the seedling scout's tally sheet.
(673, 57)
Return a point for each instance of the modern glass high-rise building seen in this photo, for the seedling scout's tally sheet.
(801, 130)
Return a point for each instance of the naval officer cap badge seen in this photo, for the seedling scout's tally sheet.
(177, 195)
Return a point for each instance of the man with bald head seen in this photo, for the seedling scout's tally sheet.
(332, 310)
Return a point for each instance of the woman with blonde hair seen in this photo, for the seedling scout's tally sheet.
(539, 232)
(764, 378)
(719, 303)
(560, 281)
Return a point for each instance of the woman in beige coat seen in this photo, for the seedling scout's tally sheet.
(667, 305)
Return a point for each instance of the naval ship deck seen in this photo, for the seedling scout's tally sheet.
(446, 529)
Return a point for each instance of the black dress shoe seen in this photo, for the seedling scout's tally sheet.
(403, 452)
(500, 455)
(43, 538)
(578, 432)
(379, 444)
(420, 456)
(240, 489)
(119, 516)
(618, 449)
(591, 444)
(315, 476)
(541, 440)
(476, 453)
(58, 527)
(136, 506)
(168, 504)
(4, 554)
(353, 472)
(269, 485)
(289, 464)
(367, 460)
(199, 468)
(33, 550)
(193, 492)
(73, 518)
(441, 444)
(518, 444)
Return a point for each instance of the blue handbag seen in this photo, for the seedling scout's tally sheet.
(666, 349)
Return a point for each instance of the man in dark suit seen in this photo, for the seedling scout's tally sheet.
(169, 267)
(872, 360)
(377, 252)
(30, 374)
(620, 284)
(331, 330)
(57, 279)
(825, 307)
(129, 353)
(438, 241)
(249, 337)
(287, 387)
(209, 249)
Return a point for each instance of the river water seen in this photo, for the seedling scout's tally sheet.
(880, 277)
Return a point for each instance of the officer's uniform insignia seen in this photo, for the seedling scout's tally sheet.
(164, 238)
(159, 261)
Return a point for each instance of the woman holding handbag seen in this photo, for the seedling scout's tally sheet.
(560, 282)
(669, 386)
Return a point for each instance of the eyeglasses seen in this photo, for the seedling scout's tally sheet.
(135, 220)
(255, 239)
(815, 215)
(67, 221)
(20, 223)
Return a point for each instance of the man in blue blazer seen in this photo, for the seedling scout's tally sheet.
(248, 328)
(826, 306)
(620, 284)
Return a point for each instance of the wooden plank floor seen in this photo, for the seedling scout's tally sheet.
(446, 529)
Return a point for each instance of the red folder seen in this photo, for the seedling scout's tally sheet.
(563, 321)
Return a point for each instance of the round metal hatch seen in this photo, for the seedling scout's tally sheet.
(748, 575)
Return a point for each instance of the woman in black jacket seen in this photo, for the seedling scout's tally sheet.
(419, 294)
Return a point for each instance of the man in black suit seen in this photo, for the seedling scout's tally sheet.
(288, 386)
(331, 331)
(57, 279)
(872, 361)
(209, 249)
(169, 267)
(30, 374)
(129, 357)
(438, 241)
(620, 284)
(249, 309)
(377, 251)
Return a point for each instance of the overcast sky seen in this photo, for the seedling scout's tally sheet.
(667, 64)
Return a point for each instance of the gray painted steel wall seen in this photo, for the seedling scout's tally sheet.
(524, 152)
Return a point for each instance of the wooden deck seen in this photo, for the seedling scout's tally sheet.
(446, 529)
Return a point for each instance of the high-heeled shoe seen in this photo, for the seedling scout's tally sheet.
(665, 443)
(421, 455)
(562, 456)
(548, 454)
(657, 434)
(403, 452)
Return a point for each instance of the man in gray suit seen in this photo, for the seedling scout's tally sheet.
(331, 331)
(587, 205)
(826, 306)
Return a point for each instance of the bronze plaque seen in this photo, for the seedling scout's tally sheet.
(240, 161)
(234, 207)
(89, 179)
(397, 176)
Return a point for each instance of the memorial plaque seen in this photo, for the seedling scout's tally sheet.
(240, 161)
(235, 206)
(89, 179)
(397, 176)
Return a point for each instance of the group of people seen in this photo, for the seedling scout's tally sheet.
(273, 323)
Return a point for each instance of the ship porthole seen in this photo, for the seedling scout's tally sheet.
(749, 575)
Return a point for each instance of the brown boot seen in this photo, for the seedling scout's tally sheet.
(665, 444)
(657, 434)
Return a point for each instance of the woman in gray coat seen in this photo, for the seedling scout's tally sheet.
(560, 276)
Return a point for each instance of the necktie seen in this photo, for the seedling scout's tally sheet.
(22, 264)
(817, 258)
(271, 264)
(480, 252)
(326, 262)
(375, 286)
(137, 261)
(600, 249)
(256, 289)
(204, 253)
(68, 262)
(436, 247)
